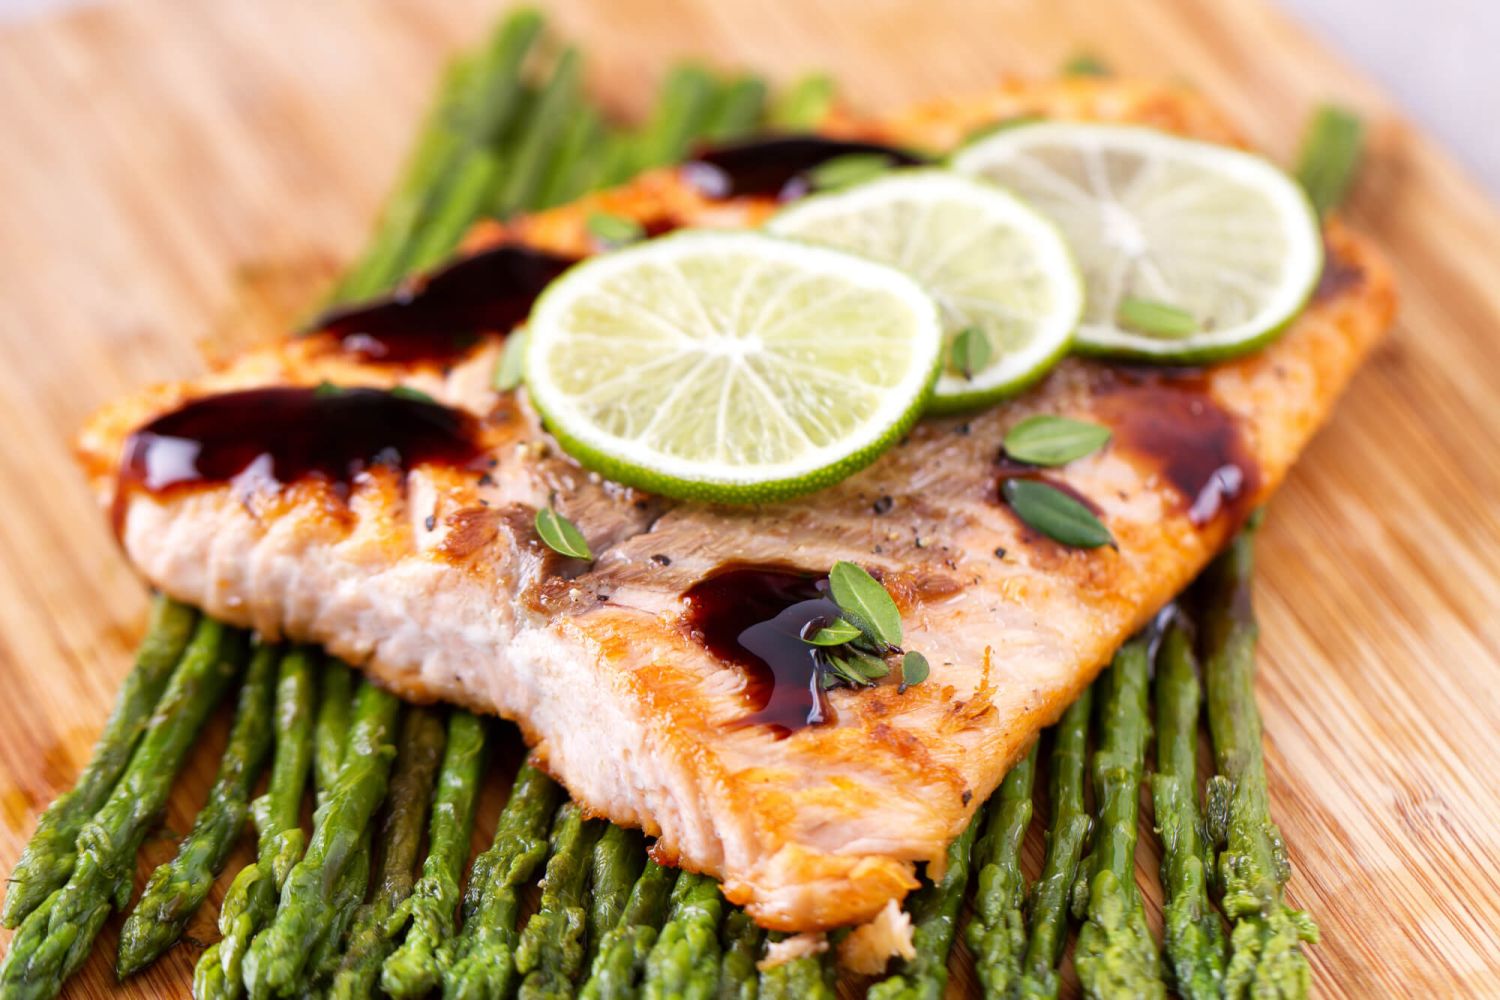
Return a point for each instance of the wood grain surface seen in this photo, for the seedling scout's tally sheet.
(179, 176)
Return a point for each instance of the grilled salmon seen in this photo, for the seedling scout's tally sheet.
(398, 533)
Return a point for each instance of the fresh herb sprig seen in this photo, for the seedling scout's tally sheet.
(1156, 319)
(971, 352)
(848, 170)
(1061, 518)
(1047, 440)
(852, 649)
(561, 535)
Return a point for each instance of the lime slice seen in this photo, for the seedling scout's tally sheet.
(995, 266)
(1191, 252)
(732, 367)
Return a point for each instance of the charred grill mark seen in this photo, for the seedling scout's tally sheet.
(279, 436)
(470, 530)
(440, 317)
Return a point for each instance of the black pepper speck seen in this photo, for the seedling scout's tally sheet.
(661, 560)
(999, 553)
(431, 521)
(884, 505)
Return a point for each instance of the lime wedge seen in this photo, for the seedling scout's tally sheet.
(1191, 252)
(731, 367)
(1000, 271)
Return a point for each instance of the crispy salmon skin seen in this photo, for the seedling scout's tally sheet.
(431, 577)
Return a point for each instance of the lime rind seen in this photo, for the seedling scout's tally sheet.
(1219, 231)
(729, 366)
(987, 258)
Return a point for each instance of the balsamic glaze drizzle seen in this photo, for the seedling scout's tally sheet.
(440, 316)
(775, 165)
(283, 435)
(755, 617)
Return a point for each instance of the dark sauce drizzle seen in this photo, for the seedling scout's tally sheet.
(775, 165)
(440, 316)
(755, 617)
(1169, 416)
(282, 435)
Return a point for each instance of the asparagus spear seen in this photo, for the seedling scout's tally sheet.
(475, 105)
(554, 107)
(740, 943)
(48, 859)
(684, 962)
(619, 857)
(1116, 955)
(331, 731)
(1065, 841)
(811, 977)
(687, 99)
(621, 956)
(575, 162)
(1193, 937)
(551, 950)
(482, 962)
(803, 105)
(1266, 939)
(279, 954)
(55, 938)
(413, 970)
(738, 110)
(370, 941)
(251, 900)
(997, 933)
(934, 909)
(1329, 158)
(176, 889)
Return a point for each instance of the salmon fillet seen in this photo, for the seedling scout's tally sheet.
(431, 578)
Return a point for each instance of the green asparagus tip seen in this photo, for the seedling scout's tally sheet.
(1331, 149)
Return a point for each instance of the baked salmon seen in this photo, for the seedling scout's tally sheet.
(398, 533)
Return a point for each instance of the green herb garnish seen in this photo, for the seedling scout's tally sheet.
(325, 388)
(510, 369)
(853, 650)
(1055, 514)
(1085, 64)
(1331, 149)
(914, 669)
(990, 128)
(415, 395)
(853, 669)
(848, 170)
(561, 535)
(970, 353)
(836, 633)
(1155, 319)
(1049, 440)
(860, 596)
(614, 230)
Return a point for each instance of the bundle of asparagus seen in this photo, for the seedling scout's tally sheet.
(512, 132)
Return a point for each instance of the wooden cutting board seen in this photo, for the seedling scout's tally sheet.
(181, 175)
